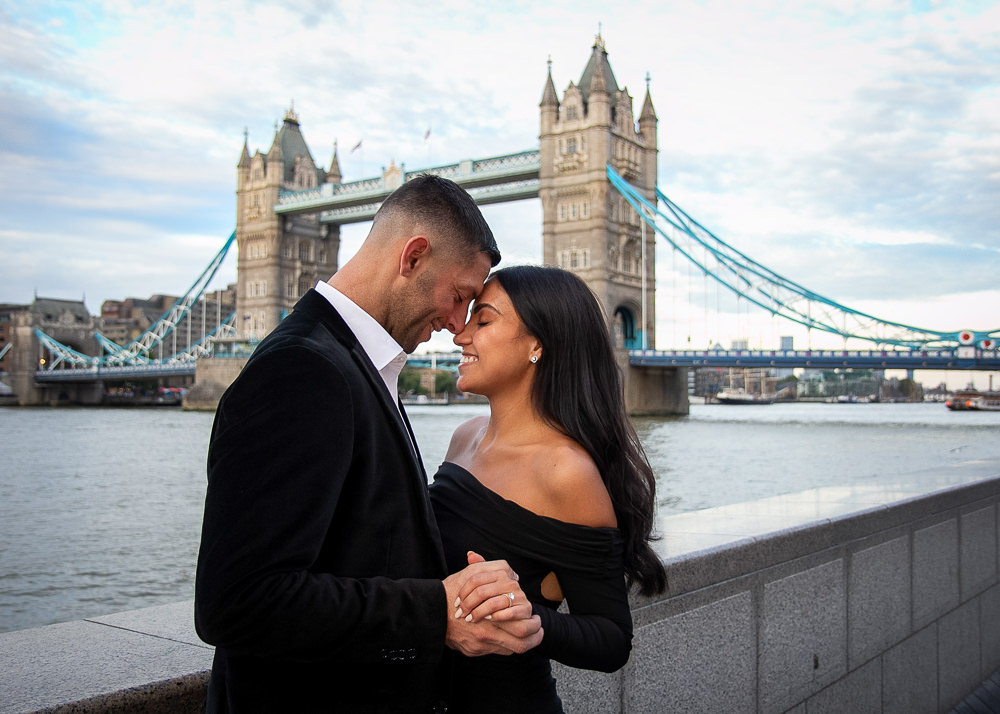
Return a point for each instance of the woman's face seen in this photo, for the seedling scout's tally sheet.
(496, 349)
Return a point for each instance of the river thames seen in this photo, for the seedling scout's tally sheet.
(100, 508)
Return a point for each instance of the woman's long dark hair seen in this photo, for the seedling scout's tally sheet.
(578, 390)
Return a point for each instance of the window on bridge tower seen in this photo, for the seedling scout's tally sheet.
(574, 258)
(628, 257)
(571, 113)
(571, 146)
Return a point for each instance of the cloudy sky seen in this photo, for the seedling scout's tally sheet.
(853, 147)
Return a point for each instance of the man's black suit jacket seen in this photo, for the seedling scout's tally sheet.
(320, 564)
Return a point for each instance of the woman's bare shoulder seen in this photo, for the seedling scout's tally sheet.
(465, 437)
(575, 487)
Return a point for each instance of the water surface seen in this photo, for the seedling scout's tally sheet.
(100, 509)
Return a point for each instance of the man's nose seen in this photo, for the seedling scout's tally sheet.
(456, 321)
(460, 337)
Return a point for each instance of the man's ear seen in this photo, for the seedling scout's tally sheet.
(415, 251)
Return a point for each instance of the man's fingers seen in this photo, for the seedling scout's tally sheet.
(520, 645)
(502, 638)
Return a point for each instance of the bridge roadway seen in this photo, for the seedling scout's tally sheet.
(960, 358)
(969, 358)
(99, 373)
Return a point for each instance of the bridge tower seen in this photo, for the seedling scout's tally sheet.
(66, 321)
(280, 257)
(587, 227)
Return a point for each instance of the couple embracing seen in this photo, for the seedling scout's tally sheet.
(332, 579)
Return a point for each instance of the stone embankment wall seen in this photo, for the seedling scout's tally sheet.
(895, 609)
(861, 601)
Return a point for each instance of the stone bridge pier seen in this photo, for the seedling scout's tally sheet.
(66, 321)
(654, 391)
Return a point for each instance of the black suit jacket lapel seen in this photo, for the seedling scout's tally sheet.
(318, 305)
(399, 418)
(413, 438)
(393, 412)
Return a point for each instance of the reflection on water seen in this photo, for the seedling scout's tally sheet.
(100, 509)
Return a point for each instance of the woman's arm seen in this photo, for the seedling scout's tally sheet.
(597, 632)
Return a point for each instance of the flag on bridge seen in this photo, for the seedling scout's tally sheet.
(427, 134)
(356, 146)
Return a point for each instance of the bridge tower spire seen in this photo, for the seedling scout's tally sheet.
(280, 257)
(587, 227)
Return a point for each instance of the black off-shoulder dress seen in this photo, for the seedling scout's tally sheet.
(597, 632)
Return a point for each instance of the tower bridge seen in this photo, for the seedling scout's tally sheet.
(496, 179)
(289, 210)
(595, 173)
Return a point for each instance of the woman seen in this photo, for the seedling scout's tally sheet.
(554, 481)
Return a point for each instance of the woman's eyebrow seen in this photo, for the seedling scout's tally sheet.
(482, 306)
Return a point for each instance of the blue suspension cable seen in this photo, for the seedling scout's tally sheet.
(777, 294)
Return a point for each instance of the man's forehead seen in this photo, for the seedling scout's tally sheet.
(473, 275)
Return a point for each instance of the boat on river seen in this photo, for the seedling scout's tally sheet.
(747, 386)
(975, 401)
(740, 396)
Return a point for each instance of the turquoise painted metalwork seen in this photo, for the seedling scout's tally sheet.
(137, 352)
(778, 295)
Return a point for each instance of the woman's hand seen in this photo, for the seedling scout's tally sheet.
(485, 619)
(490, 591)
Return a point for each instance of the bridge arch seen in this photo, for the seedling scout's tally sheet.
(626, 329)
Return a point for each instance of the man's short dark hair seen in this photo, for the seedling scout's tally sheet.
(430, 200)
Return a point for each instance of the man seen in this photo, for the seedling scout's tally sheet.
(321, 578)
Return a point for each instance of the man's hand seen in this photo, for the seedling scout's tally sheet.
(485, 619)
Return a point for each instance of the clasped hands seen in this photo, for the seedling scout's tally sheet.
(482, 618)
